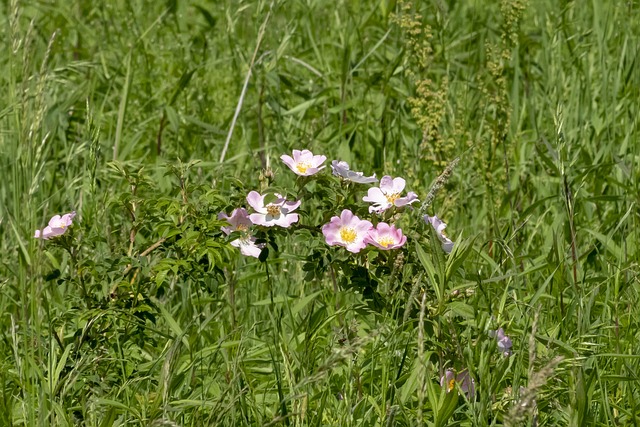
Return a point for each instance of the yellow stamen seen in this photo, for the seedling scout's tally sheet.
(391, 198)
(273, 210)
(386, 241)
(302, 167)
(451, 385)
(348, 234)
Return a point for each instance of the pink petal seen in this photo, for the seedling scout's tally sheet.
(259, 219)
(398, 185)
(375, 195)
(289, 162)
(250, 250)
(386, 184)
(318, 160)
(54, 220)
(363, 227)
(67, 219)
(239, 216)
(291, 206)
(339, 168)
(346, 218)
(49, 232)
(305, 156)
(297, 154)
(382, 228)
(447, 246)
(406, 200)
(356, 246)
(248, 246)
(256, 201)
(286, 220)
(331, 231)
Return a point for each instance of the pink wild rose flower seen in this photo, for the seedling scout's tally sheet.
(347, 230)
(385, 236)
(57, 226)
(239, 221)
(464, 380)
(277, 212)
(439, 226)
(303, 163)
(504, 342)
(389, 195)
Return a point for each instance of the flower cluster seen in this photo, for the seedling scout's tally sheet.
(355, 234)
(346, 230)
(57, 226)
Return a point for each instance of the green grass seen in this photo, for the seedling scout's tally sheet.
(143, 314)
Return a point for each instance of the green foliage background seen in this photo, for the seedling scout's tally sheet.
(144, 315)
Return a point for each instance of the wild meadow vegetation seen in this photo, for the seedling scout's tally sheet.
(515, 122)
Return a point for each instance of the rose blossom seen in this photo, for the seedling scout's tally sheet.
(386, 236)
(464, 380)
(239, 221)
(341, 169)
(388, 195)
(277, 212)
(347, 230)
(304, 163)
(57, 226)
(504, 342)
(439, 226)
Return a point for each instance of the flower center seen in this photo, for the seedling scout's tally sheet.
(242, 227)
(348, 234)
(391, 198)
(451, 385)
(273, 210)
(386, 241)
(302, 167)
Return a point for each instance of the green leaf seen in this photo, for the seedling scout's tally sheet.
(117, 405)
(173, 325)
(304, 106)
(460, 253)
(462, 309)
(60, 366)
(300, 305)
(608, 243)
(23, 249)
(431, 271)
